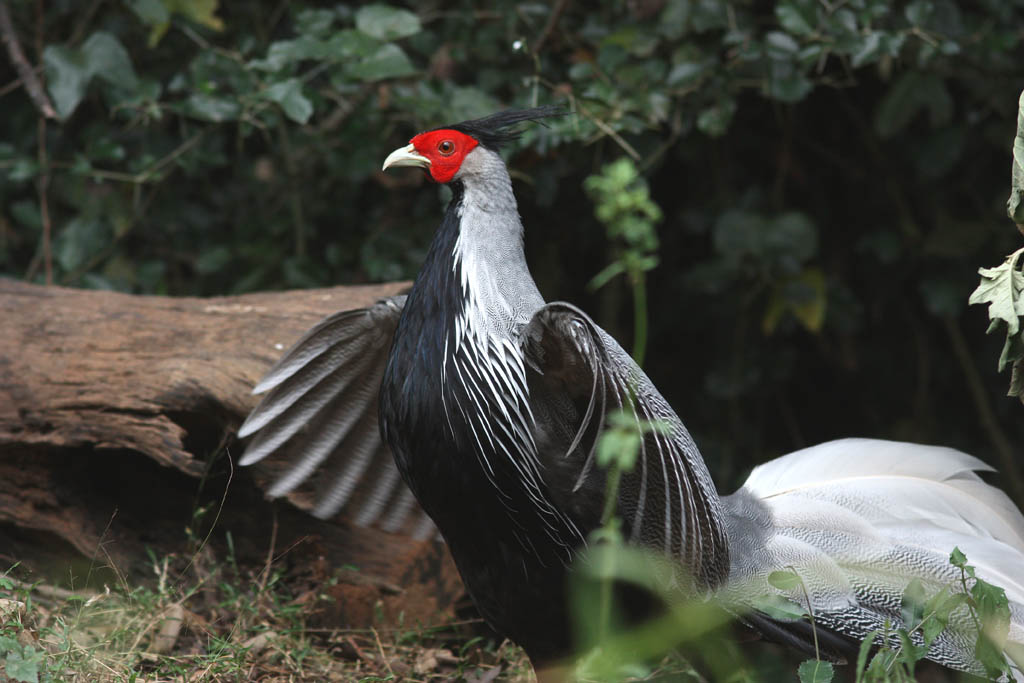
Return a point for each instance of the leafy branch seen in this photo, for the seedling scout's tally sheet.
(925, 618)
(1001, 289)
(1001, 286)
(623, 203)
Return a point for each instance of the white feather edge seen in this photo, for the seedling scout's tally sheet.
(896, 480)
(856, 458)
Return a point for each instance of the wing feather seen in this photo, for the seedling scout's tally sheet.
(319, 421)
(577, 374)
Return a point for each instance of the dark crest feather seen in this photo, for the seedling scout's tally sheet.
(491, 131)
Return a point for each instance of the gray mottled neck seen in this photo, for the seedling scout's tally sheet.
(488, 254)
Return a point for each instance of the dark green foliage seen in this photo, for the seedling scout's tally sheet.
(831, 176)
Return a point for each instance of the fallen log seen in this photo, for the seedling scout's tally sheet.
(117, 423)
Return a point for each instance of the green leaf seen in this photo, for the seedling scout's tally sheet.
(80, 239)
(23, 169)
(918, 12)
(151, 12)
(289, 95)
(993, 609)
(786, 82)
(69, 71)
(1017, 381)
(389, 61)
(674, 19)
(317, 22)
(815, 671)
(284, 52)
(881, 665)
(387, 23)
(352, 43)
(619, 446)
(1000, 288)
(1012, 353)
(780, 45)
(791, 238)
(714, 121)
(778, 607)
(913, 604)
(911, 94)
(803, 296)
(865, 650)
(1015, 204)
(106, 58)
(957, 558)
(67, 77)
(686, 73)
(869, 49)
(708, 15)
(199, 11)
(213, 260)
(994, 612)
(793, 19)
(23, 665)
(937, 611)
(786, 580)
(211, 108)
(910, 652)
(991, 657)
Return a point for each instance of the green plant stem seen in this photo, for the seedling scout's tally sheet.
(810, 611)
(611, 496)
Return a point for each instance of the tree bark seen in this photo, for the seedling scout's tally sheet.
(117, 423)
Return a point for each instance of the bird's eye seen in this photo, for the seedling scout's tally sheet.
(446, 148)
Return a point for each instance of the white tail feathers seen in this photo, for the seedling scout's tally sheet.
(891, 482)
(883, 512)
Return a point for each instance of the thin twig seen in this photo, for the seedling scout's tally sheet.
(52, 592)
(262, 585)
(549, 27)
(17, 83)
(810, 611)
(380, 648)
(607, 130)
(216, 517)
(26, 73)
(84, 20)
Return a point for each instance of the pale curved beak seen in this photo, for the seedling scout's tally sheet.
(406, 156)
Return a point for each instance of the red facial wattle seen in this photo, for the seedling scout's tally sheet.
(446, 150)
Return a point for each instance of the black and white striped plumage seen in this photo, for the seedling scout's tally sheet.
(491, 401)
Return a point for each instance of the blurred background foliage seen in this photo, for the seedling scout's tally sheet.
(831, 173)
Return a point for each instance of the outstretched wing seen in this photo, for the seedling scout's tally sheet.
(578, 375)
(319, 417)
(858, 519)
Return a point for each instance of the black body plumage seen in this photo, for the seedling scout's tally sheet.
(491, 402)
(515, 574)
